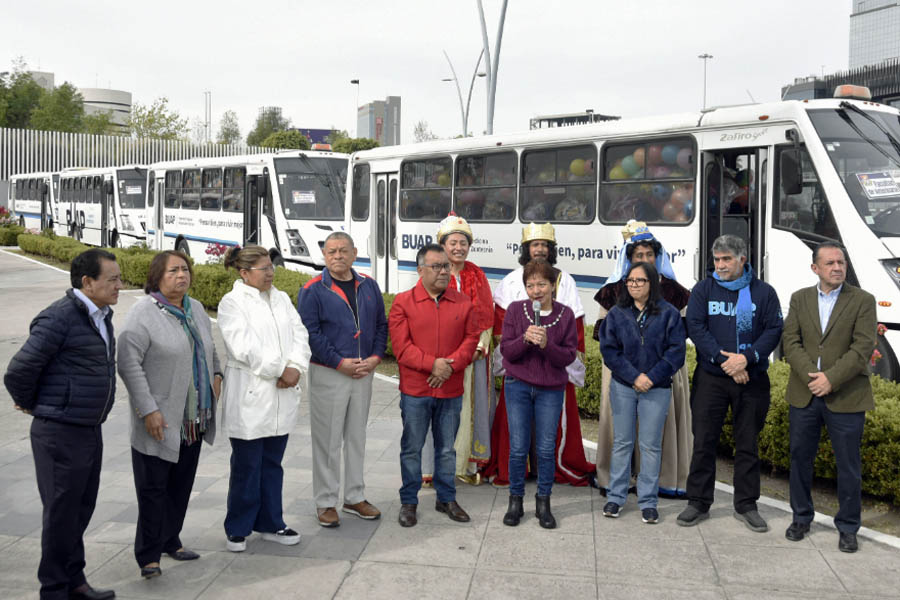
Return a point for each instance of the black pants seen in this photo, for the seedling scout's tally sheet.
(163, 490)
(67, 461)
(845, 431)
(710, 398)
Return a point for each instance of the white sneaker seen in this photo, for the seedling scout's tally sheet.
(236, 543)
(285, 537)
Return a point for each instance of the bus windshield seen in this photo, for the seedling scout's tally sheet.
(132, 183)
(312, 187)
(864, 147)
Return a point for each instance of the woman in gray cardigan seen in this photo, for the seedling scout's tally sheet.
(167, 359)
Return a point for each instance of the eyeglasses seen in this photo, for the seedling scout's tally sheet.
(636, 281)
(438, 267)
(269, 268)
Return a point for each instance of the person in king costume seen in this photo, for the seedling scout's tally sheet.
(640, 246)
(539, 241)
(473, 439)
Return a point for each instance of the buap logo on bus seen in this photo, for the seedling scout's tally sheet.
(412, 241)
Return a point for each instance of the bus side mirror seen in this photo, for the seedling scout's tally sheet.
(107, 187)
(789, 168)
(262, 186)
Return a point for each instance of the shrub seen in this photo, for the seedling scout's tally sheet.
(388, 302)
(290, 282)
(9, 233)
(211, 282)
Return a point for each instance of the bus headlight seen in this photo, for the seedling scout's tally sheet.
(892, 266)
(298, 246)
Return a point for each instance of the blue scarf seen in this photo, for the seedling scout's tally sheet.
(744, 309)
(198, 407)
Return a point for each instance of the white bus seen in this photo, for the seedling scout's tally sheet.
(784, 176)
(103, 206)
(287, 201)
(32, 200)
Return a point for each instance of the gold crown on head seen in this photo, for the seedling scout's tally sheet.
(635, 231)
(533, 231)
(453, 224)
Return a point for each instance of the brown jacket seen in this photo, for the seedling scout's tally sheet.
(845, 348)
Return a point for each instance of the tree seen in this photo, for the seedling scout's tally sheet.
(99, 123)
(293, 140)
(229, 128)
(22, 97)
(59, 110)
(197, 131)
(350, 145)
(268, 122)
(336, 136)
(156, 121)
(421, 132)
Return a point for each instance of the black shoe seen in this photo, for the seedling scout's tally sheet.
(515, 511)
(691, 516)
(796, 531)
(848, 542)
(235, 543)
(452, 510)
(407, 516)
(752, 520)
(184, 554)
(150, 572)
(86, 592)
(542, 512)
(650, 515)
(611, 510)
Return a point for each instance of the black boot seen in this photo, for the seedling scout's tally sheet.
(542, 512)
(514, 512)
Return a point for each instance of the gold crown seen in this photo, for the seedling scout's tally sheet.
(533, 231)
(453, 224)
(636, 231)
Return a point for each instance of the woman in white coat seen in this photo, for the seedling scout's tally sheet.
(268, 354)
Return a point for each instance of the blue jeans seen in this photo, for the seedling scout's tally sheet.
(442, 415)
(254, 488)
(528, 404)
(650, 408)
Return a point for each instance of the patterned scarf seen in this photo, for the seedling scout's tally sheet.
(198, 408)
(744, 309)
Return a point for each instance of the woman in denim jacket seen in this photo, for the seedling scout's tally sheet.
(642, 341)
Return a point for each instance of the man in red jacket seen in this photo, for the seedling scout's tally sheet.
(433, 336)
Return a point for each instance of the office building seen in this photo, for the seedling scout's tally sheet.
(874, 32)
(380, 120)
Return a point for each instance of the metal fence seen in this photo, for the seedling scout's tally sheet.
(28, 151)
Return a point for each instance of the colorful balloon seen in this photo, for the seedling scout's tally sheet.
(654, 155)
(672, 211)
(576, 167)
(443, 180)
(618, 172)
(661, 172)
(684, 158)
(639, 156)
(670, 154)
(681, 196)
(661, 192)
(630, 166)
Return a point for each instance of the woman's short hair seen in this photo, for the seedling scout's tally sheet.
(626, 301)
(158, 269)
(539, 268)
(244, 258)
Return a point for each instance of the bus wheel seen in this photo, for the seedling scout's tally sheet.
(277, 260)
(182, 246)
(116, 241)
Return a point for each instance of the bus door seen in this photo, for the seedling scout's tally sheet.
(384, 259)
(107, 215)
(251, 212)
(46, 211)
(156, 214)
(734, 202)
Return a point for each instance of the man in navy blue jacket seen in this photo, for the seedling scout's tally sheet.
(735, 321)
(65, 377)
(344, 315)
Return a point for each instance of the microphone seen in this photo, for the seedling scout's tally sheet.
(536, 307)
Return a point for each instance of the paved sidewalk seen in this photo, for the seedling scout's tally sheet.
(588, 556)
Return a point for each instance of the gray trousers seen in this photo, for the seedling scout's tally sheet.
(338, 412)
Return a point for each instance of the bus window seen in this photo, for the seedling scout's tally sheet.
(359, 209)
(808, 211)
(211, 197)
(190, 190)
(20, 189)
(98, 189)
(559, 185)
(233, 194)
(312, 187)
(173, 189)
(132, 183)
(151, 191)
(486, 187)
(651, 182)
(81, 194)
(425, 190)
(32, 189)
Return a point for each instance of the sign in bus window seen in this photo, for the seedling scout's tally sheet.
(559, 185)
(486, 187)
(651, 181)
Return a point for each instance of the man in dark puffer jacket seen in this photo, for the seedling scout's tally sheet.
(65, 377)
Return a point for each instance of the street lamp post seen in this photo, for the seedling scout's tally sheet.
(355, 108)
(704, 57)
(464, 110)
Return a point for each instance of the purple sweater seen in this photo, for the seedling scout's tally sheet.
(529, 363)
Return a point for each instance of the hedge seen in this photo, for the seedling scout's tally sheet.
(881, 437)
(9, 233)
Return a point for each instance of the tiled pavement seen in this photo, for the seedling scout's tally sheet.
(586, 557)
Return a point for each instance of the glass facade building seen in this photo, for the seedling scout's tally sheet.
(874, 32)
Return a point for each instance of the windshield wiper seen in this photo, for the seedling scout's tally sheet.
(896, 144)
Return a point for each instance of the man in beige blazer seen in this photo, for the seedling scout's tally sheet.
(829, 336)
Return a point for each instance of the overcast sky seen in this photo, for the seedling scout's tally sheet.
(628, 58)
